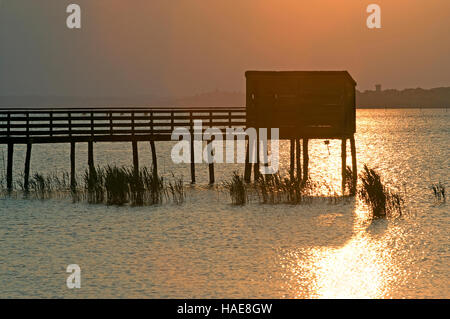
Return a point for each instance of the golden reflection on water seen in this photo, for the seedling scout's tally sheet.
(362, 268)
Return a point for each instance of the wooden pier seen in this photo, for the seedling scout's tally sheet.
(94, 125)
(303, 105)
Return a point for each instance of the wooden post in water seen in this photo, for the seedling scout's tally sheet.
(26, 178)
(154, 158)
(354, 167)
(192, 158)
(305, 160)
(344, 163)
(292, 171)
(298, 152)
(73, 182)
(91, 157)
(248, 165)
(135, 158)
(211, 165)
(9, 169)
(256, 172)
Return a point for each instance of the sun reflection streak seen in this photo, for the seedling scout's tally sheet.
(363, 268)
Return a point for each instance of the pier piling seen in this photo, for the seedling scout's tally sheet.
(135, 158)
(344, 163)
(73, 183)
(91, 157)
(192, 159)
(256, 172)
(354, 166)
(305, 160)
(248, 165)
(154, 158)
(9, 169)
(298, 158)
(26, 183)
(292, 156)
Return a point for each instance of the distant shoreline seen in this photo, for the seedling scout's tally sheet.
(436, 98)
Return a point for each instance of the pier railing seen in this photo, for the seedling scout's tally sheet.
(57, 125)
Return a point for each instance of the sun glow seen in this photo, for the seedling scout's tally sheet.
(362, 268)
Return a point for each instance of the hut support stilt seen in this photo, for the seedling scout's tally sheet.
(248, 165)
(292, 156)
(354, 166)
(305, 160)
(256, 172)
(298, 152)
(211, 164)
(344, 163)
(192, 160)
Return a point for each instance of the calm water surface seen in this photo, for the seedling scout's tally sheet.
(208, 248)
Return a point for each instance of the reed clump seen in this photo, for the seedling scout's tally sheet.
(237, 189)
(439, 192)
(176, 190)
(275, 189)
(154, 187)
(349, 182)
(94, 179)
(382, 201)
(116, 186)
(123, 185)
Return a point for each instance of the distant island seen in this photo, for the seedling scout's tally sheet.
(378, 98)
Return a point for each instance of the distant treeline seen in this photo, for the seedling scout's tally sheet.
(408, 98)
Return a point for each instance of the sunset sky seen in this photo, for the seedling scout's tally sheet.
(184, 47)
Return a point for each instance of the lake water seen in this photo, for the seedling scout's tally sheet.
(207, 248)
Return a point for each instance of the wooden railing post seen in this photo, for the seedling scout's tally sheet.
(111, 126)
(69, 115)
(51, 123)
(92, 123)
(8, 124)
(28, 124)
(132, 124)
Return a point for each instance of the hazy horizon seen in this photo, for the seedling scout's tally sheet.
(158, 48)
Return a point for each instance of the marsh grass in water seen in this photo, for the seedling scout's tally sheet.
(116, 185)
(94, 185)
(349, 184)
(110, 185)
(276, 189)
(176, 190)
(439, 192)
(237, 189)
(382, 201)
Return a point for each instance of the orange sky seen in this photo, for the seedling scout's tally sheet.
(184, 47)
